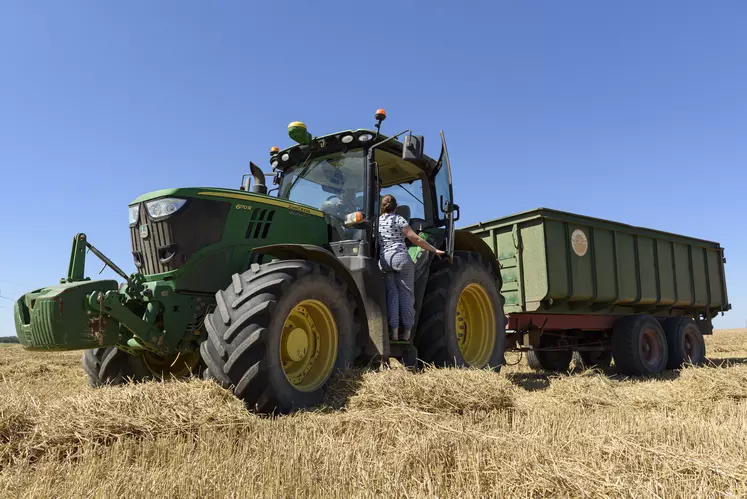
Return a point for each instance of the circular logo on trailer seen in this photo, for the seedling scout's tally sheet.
(579, 242)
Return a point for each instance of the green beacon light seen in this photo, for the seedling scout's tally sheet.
(297, 131)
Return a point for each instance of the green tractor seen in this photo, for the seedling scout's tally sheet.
(270, 293)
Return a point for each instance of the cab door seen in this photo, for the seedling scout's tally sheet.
(448, 212)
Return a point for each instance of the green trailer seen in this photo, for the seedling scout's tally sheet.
(596, 289)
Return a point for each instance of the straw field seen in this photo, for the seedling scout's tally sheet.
(440, 433)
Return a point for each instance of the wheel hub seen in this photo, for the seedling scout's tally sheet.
(650, 347)
(297, 344)
(308, 345)
(475, 325)
(178, 365)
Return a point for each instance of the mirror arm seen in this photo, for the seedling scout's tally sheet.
(389, 138)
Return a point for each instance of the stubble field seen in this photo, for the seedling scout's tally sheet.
(444, 433)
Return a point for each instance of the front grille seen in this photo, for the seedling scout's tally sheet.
(168, 244)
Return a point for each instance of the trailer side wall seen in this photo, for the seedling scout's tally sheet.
(562, 263)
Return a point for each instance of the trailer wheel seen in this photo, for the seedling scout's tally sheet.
(686, 343)
(601, 360)
(639, 345)
(112, 366)
(550, 360)
(461, 321)
(279, 332)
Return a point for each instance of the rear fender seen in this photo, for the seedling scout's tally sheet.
(467, 241)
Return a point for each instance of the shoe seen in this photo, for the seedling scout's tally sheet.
(393, 335)
(406, 335)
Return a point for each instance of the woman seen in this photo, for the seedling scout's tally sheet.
(399, 271)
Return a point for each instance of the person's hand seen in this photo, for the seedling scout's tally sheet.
(439, 252)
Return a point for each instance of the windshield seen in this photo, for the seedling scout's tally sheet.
(333, 183)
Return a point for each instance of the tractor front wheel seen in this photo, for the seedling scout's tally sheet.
(112, 366)
(279, 332)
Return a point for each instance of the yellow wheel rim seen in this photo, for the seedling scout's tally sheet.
(475, 325)
(177, 365)
(308, 345)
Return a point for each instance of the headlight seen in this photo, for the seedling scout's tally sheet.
(134, 214)
(160, 208)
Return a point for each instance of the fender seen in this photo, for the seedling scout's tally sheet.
(363, 278)
(467, 241)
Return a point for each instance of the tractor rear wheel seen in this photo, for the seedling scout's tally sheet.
(279, 332)
(112, 366)
(461, 321)
(639, 345)
(685, 341)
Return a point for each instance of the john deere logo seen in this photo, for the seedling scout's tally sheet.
(143, 231)
(579, 242)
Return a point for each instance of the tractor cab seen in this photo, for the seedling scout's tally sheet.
(345, 175)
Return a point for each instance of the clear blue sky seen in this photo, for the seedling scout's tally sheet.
(632, 111)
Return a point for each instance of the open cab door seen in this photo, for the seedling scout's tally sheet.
(448, 212)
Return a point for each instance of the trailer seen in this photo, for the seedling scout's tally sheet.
(579, 286)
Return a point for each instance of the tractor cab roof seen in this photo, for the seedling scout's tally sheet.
(394, 169)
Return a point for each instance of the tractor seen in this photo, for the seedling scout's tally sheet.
(270, 291)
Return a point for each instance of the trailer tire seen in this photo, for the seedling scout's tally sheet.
(549, 360)
(588, 360)
(465, 289)
(279, 332)
(685, 341)
(639, 345)
(112, 366)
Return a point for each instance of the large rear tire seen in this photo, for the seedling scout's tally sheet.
(112, 366)
(279, 332)
(461, 321)
(639, 345)
(685, 342)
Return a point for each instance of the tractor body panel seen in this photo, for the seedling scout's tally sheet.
(182, 260)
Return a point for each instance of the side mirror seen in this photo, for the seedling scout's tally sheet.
(413, 148)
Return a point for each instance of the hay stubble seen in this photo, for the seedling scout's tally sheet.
(445, 433)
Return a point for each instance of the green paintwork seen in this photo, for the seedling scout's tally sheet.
(57, 318)
(624, 270)
(163, 315)
(211, 267)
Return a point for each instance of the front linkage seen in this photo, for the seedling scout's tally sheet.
(135, 316)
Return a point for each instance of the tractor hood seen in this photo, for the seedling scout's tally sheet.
(228, 195)
(170, 228)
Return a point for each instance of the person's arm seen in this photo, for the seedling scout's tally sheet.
(417, 240)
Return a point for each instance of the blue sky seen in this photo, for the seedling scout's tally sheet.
(631, 111)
